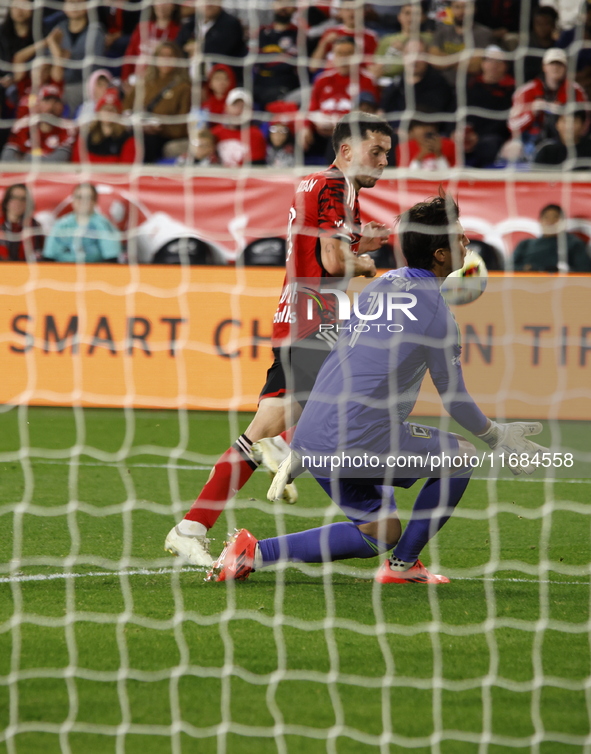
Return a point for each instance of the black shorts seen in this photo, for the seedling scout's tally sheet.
(295, 368)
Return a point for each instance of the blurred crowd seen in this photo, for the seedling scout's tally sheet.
(474, 83)
(80, 231)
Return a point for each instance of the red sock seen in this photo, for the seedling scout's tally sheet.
(230, 474)
(288, 434)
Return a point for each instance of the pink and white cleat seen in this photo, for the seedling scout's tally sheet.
(416, 574)
(236, 561)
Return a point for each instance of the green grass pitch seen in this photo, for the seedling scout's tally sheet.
(299, 660)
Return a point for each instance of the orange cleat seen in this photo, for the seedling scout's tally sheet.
(416, 574)
(236, 561)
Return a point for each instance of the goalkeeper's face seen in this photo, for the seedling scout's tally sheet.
(458, 249)
(367, 158)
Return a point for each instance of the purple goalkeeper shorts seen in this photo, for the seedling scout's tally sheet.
(365, 493)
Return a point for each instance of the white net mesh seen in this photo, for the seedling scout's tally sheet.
(122, 385)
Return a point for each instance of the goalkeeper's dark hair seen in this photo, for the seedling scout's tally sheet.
(358, 125)
(426, 227)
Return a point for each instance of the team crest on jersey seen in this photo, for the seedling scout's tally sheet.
(417, 431)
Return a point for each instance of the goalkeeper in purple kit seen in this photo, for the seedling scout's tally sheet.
(354, 435)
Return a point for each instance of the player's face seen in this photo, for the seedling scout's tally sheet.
(458, 250)
(369, 158)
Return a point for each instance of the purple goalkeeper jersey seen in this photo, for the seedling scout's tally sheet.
(370, 382)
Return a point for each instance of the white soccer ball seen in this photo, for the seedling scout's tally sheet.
(466, 285)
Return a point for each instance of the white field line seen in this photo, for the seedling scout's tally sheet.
(19, 578)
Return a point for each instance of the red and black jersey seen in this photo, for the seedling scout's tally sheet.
(325, 205)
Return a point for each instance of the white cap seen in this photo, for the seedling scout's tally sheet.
(239, 93)
(494, 52)
(555, 55)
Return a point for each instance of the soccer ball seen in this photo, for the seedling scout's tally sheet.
(466, 285)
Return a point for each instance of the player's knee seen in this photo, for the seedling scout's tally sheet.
(386, 532)
(465, 446)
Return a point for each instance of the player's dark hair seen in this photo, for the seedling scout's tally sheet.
(554, 208)
(426, 227)
(358, 125)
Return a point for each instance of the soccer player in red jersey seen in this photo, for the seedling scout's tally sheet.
(325, 240)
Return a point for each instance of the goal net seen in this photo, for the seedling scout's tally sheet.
(122, 384)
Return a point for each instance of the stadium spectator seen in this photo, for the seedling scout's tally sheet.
(216, 35)
(492, 90)
(119, 25)
(280, 146)
(537, 103)
(16, 34)
(163, 26)
(239, 141)
(97, 85)
(21, 237)
(360, 407)
(45, 71)
(20, 79)
(165, 93)
(366, 103)
(17, 46)
(425, 148)
(81, 41)
(382, 17)
(83, 235)
(220, 81)
(202, 149)
(571, 150)
(333, 94)
(555, 250)
(543, 36)
(42, 135)
(503, 18)
(328, 224)
(274, 79)
(581, 35)
(106, 139)
(390, 48)
(449, 40)
(350, 29)
(430, 90)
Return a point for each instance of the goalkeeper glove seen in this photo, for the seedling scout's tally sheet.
(290, 468)
(510, 439)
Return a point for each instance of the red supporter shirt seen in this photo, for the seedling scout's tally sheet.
(234, 145)
(333, 94)
(408, 151)
(35, 141)
(523, 118)
(325, 205)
